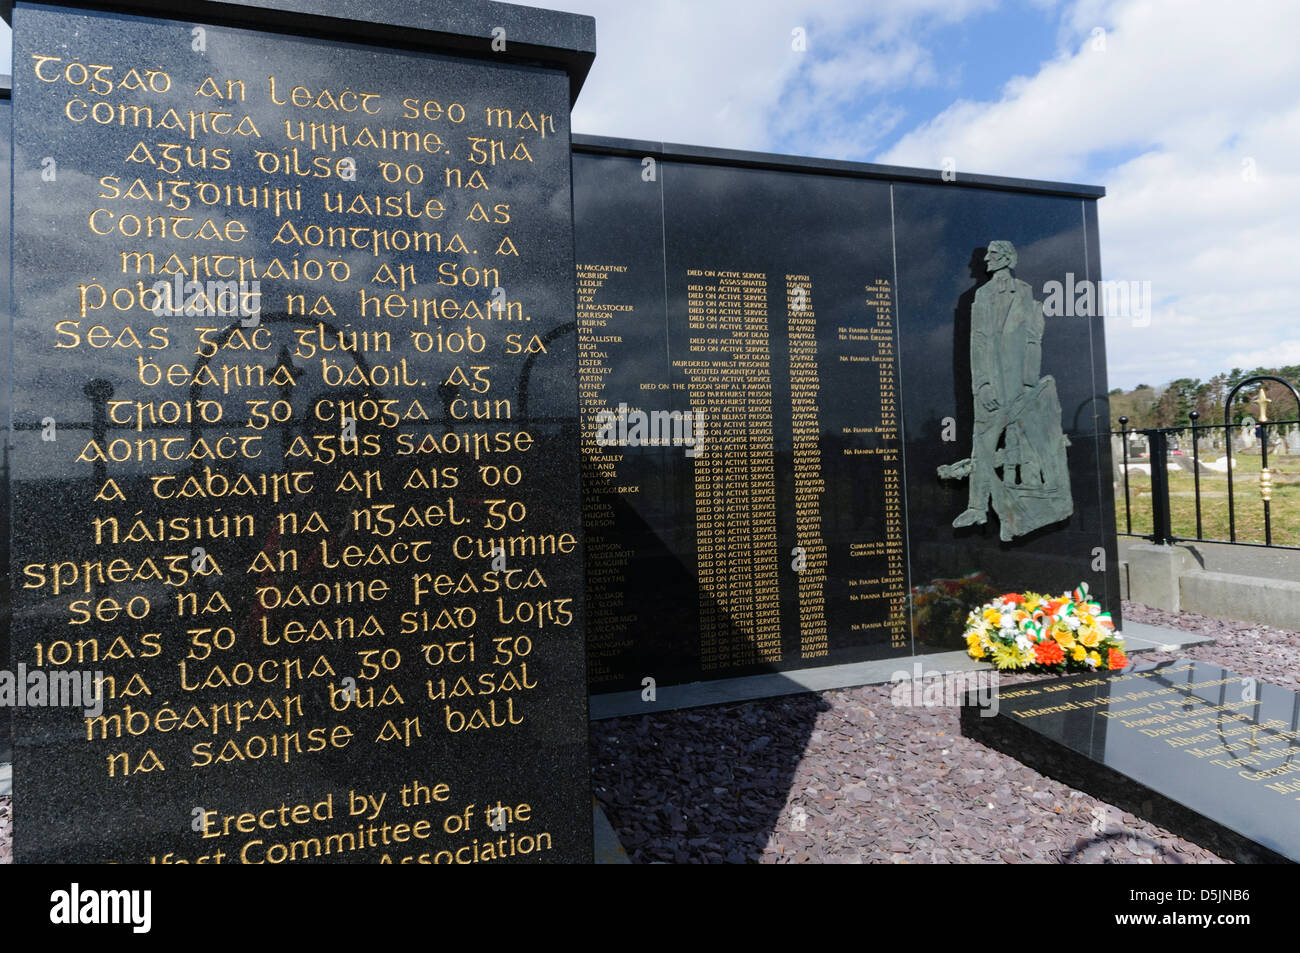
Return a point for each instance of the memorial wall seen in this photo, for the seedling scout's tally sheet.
(297, 559)
(774, 362)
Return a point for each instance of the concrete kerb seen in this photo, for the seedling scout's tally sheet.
(1219, 580)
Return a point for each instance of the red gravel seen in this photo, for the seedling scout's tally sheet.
(1247, 648)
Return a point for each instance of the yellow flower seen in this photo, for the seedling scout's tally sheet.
(1064, 637)
(1078, 653)
(1089, 636)
(1095, 657)
(992, 616)
(975, 650)
(1006, 656)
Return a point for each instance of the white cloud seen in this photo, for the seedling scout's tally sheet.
(726, 75)
(1195, 91)
(1183, 91)
(684, 72)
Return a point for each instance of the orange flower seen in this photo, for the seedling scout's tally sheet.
(1048, 652)
(1015, 597)
(1116, 659)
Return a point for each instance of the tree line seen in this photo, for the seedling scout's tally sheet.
(1171, 405)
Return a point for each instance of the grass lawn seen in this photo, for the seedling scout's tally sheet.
(1285, 508)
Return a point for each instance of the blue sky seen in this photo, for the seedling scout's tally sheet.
(1185, 110)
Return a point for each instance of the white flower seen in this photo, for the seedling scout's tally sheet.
(1023, 643)
(1072, 623)
(1008, 620)
(1090, 662)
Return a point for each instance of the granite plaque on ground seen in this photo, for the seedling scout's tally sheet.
(1190, 746)
(776, 360)
(296, 546)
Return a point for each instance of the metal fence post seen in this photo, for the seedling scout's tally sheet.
(1162, 533)
(1196, 472)
(1128, 511)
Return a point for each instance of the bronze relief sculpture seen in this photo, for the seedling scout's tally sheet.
(1017, 459)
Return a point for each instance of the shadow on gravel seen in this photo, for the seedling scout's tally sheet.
(1099, 848)
(694, 786)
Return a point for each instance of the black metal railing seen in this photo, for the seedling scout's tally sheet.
(1158, 452)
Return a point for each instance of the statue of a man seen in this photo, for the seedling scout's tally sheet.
(1006, 351)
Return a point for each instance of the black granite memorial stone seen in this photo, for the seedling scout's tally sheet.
(811, 321)
(1190, 746)
(295, 474)
(6, 745)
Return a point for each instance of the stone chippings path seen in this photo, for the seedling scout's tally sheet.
(846, 777)
(1247, 648)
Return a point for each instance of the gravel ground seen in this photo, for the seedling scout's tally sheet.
(846, 777)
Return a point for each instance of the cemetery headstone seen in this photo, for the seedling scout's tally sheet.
(1190, 746)
(1246, 439)
(296, 547)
